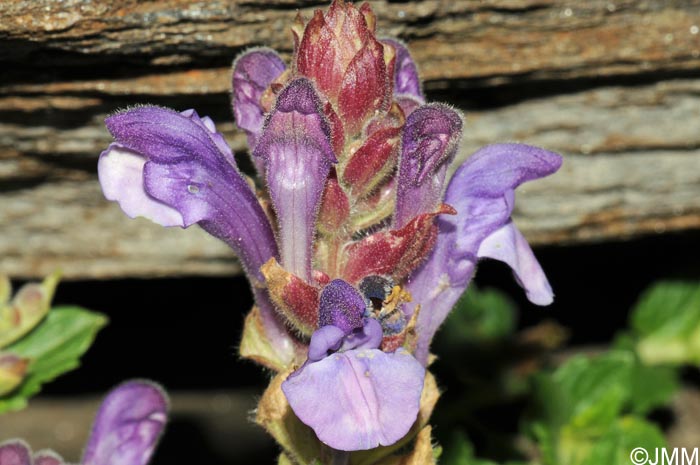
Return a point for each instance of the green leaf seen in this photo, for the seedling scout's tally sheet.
(666, 321)
(480, 315)
(589, 408)
(652, 387)
(54, 347)
(458, 451)
(595, 390)
(611, 446)
(592, 392)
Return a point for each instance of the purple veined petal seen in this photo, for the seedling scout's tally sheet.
(342, 306)
(121, 176)
(323, 340)
(128, 425)
(220, 201)
(359, 399)
(368, 337)
(253, 72)
(499, 168)
(162, 134)
(190, 169)
(191, 176)
(440, 281)
(508, 245)
(47, 457)
(406, 81)
(15, 452)
(482, 192)
(296, 146)
(218, 139)
(428, 145)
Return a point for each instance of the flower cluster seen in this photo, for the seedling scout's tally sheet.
(355, 244)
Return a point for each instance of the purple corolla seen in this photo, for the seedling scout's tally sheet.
(367, 387)
(126, 430)
(355, 243)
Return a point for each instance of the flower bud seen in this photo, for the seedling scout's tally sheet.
(12, 371)
(339, 52)
(29, 306)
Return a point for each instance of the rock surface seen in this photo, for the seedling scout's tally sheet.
(610, 84)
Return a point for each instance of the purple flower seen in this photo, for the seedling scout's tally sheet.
(296, 148)
(430, 140)
(126, 430)
(253, 72)
(356, 244)
(354, 395)
(482, 192)
(177, 170)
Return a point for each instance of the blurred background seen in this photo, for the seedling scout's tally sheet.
(612, 85)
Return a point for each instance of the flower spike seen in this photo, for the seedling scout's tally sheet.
(356, 245)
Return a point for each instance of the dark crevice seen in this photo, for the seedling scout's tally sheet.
(215, 105)
(87, 67)
(482, 94)
(66, 161)
(15, 185)
(284, 7)
(51, 65)
(515, 11)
